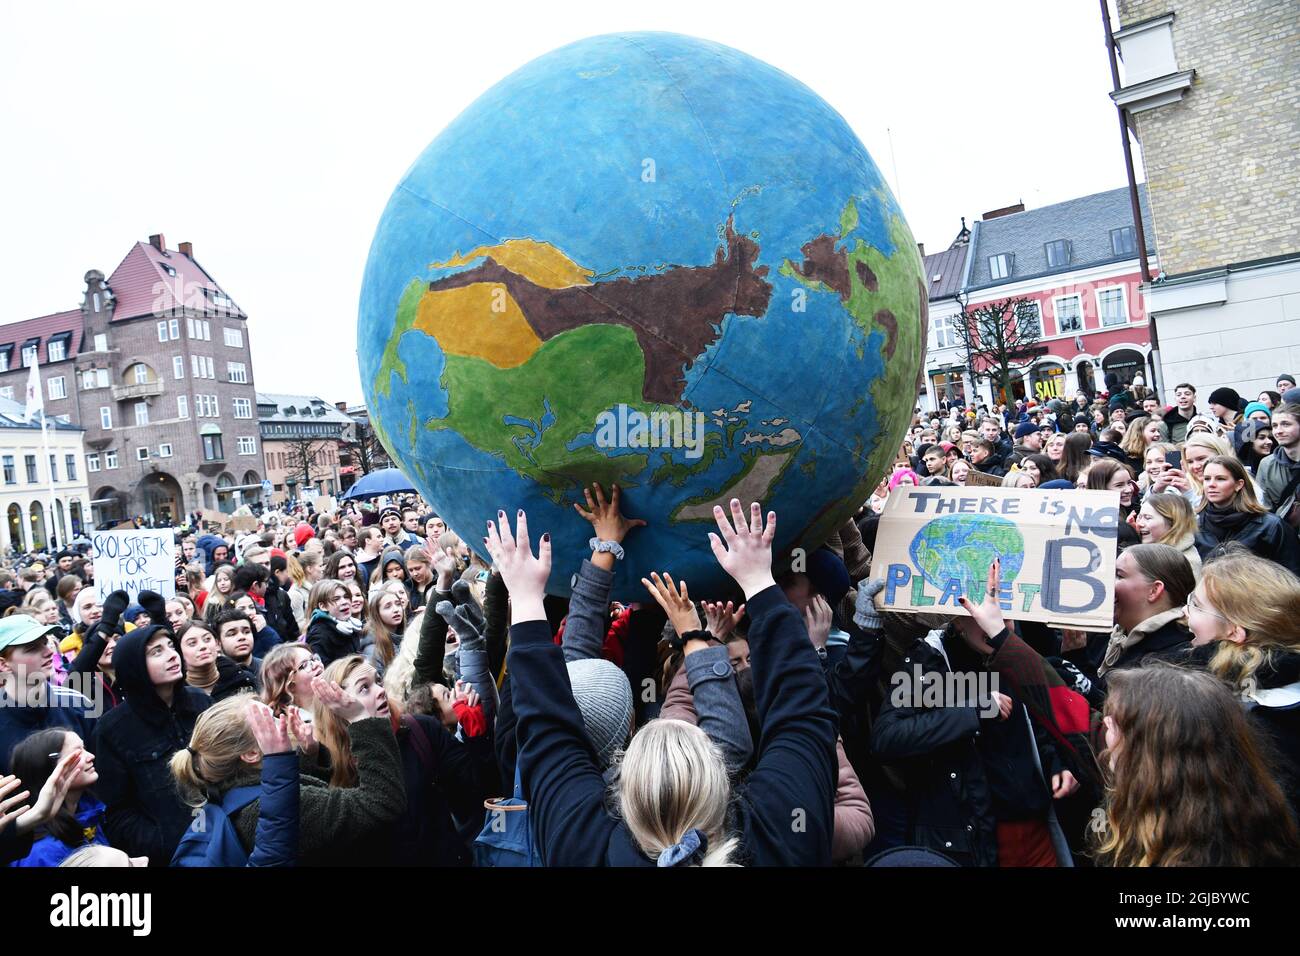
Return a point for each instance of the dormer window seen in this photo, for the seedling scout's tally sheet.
(1058, 253)
(1000, 265)
(1123, 241)
(168, 269)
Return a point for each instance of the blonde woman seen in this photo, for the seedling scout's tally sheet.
(1245, 618)
(1168, 519)
(1138, 436)
(301, 586)
(1231, 514)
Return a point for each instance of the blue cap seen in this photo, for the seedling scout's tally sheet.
(1057, 484)
(18, 629)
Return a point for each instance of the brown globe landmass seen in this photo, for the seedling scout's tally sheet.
(823, 263)
(673, 313)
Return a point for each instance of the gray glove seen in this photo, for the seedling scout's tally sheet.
(865, 614)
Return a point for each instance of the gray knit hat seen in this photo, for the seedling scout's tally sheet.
(604, 699)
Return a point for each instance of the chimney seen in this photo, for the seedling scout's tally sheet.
(158, 242)
(341, 406)
(187, 249)
(1004, 211)
(920, 247)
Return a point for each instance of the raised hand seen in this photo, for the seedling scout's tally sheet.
(13, 800)
(988, 613)
(721, 620)
(53, 794)
(303, 732)
(745, 549)
(675, 600)
(524, 575)
(817, 618)
(341, 703)
(270, 731)
(606, 516)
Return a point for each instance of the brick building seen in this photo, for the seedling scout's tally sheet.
(155, 367)
(1210, 90)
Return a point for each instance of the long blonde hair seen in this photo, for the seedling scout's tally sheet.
(212, 764)
(672, 779)
(1263, 599)
(1216, 446)
(1175, 510)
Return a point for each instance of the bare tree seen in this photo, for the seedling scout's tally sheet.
(999, 338)
(307, 459)
(363, 448)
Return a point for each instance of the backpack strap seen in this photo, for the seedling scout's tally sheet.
(420, 741)
(238, 798)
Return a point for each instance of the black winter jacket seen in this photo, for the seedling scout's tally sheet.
(326, 640)
(1264, 535)
(134, 743)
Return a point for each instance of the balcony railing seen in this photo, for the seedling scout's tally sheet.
(123, 393)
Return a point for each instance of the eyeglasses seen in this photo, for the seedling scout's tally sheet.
(308, 664)
(1194, 605)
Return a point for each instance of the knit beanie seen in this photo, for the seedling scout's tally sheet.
(302, 534)
(1285, 377)
(1256, 407)
(1025, 428)
(604, 699)
(1227, 397)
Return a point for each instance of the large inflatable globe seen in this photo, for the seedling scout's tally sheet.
(653, 260)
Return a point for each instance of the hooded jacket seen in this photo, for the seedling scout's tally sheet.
(395, 556)
(328, 641)
(207, 544)
(134, 743)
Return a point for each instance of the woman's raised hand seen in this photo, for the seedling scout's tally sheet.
(675, 600)
(524, 574)
(744, 548)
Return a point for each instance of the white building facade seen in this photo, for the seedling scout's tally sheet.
(34, 518)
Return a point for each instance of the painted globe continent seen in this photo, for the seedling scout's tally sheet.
(961, 548)
(653, 260)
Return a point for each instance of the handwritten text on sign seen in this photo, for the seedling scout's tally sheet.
(935, 544)
(135, 561)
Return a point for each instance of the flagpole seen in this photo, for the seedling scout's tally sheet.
(55, 536)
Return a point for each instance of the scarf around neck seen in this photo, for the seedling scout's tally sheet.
(1224, 523)
(1121, 642)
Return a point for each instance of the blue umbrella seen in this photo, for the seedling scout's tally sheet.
(386, 481)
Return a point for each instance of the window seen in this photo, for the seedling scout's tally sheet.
(162, 331)
(70, 466)
(54, 468)
(174, 328)
(1069, 314)
(30, 462)
(238, 372)
(1123, 241)
(243, 408)
(212, 448)
(56, 388)
(1031, 319)
(178, 366)
(4, 360)
(1000, 265)
(141, 413)
(247, 446)
(234, 337)
(182, 406)
(168, 269)
(944, 333)
(1111, 306)
(142, 454)
(194, 366)
(10, 477)
(29, 355)
(88, 379)
(212, 404)
(105, 418)
(92, 462)
(210, 366)
(223, 302)
(95, 298)
(101, 377)
(1058, 253)
(7, 392)
(110, 459)
(101, 342)
(57, 351)
(205, 330)
(141, 373)
(165, 450)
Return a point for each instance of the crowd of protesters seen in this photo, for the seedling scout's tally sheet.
(358, 686)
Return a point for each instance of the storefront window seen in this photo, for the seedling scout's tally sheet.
(1049, 382)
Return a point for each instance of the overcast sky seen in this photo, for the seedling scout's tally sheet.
(271, 135)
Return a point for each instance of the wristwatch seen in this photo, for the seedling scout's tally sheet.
(612, 547)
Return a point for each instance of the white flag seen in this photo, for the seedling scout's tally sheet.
(35, 401)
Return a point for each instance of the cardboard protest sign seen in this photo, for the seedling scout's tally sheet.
(216, 519)
(980, 480)
(325, 503)
(1057, 549)
(242, 523)
(142, 559)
